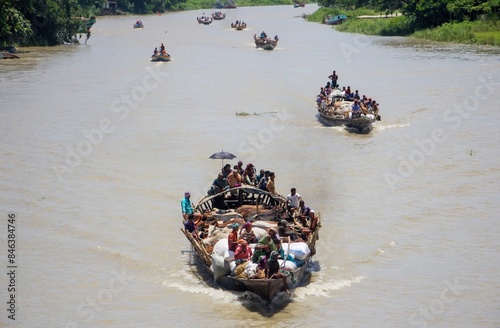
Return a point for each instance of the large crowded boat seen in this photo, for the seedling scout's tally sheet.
(249, 239)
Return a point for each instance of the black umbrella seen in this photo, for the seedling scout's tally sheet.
(222, 155)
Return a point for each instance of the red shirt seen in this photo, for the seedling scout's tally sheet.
(232, 240)
(241, 254)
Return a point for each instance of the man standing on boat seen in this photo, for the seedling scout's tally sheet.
(292, 201)
(187, 208)
(334, 77)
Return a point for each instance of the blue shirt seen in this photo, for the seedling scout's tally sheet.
(186, 206)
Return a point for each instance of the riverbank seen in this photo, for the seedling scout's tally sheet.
(482, 32)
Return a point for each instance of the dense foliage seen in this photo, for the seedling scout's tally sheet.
(51, 22)
(424, 13)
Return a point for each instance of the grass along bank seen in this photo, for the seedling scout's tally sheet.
(485, 31)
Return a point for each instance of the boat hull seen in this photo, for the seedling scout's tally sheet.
(361, 125)
(160, 58)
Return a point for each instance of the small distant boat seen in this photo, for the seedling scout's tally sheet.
(335, 20)
(8, 55)
(138, 24)
(239, 25)
(226, 5)
(299, 4)
(205, 20)
(218, 15)
(159, 57)
(265, 43)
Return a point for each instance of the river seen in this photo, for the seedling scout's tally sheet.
(99, 145)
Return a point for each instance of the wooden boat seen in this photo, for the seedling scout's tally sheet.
(8, 55)
(337, 114)
(262, 209)
(239, 25)
(298, 4)
(159, 57)
(138, 25)
(335, 20)
(229, 4)
(206, 20)
(265, 42)
(218, 15)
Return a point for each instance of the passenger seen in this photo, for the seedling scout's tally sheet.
(303, 214)
(190, 227)
(356, 95)
(226, 170)
(264, 180)
(263, 35)
(187, 208)
(242, 253)
(270, 184)
(273, 270)
(356, 110)
(220, 184)
(247, 233)
(155, 52)
(334, 77)
(274, 235)
(249, 175)
(240, 168)
(263, 247)
(292, 202)
(234, 179)
(232, 239)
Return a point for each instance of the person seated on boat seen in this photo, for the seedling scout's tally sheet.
(240, 168)
(249, 176)
(190, 227)
(187, 208)
(247, 234)
(243, 252)
(220, 184)
(356, 95)
(356, 110)
(348, 92)
(155, 52)
(292, 202)
(364, 106)
(264, 247)
(303, 215)
(234, 179)
(274, 235)
(328, 88)
(270, 184)
(226, 170)
(263, 35)
(375, 107)
(273, 270)
(264, 180)
(232, 238)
